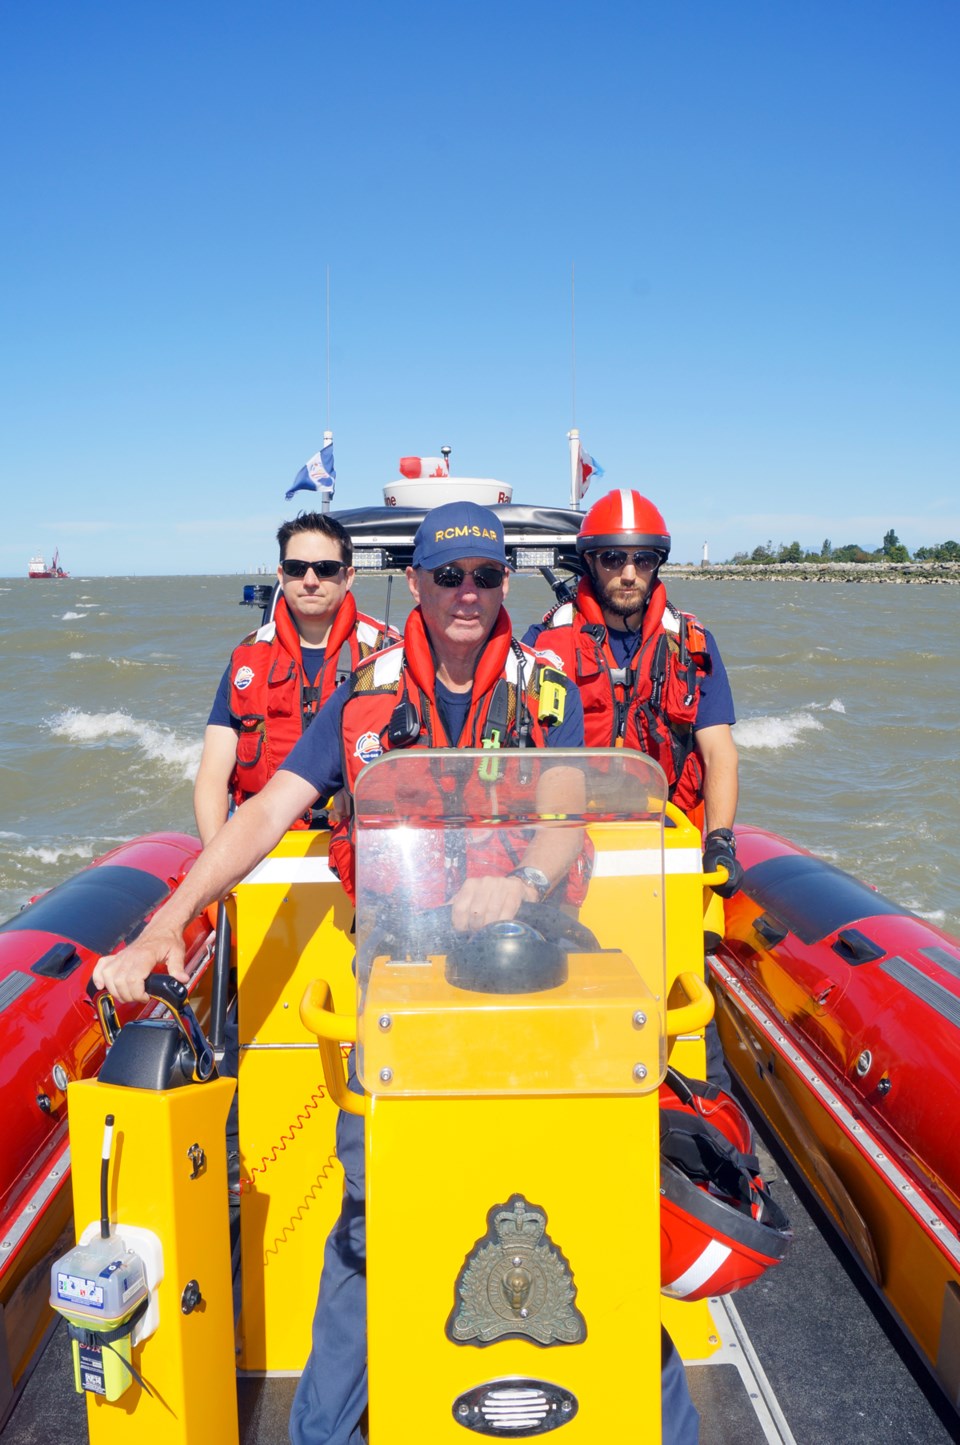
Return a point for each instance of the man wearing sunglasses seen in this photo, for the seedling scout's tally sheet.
(440, 688)
(280, 675)
(651, 677)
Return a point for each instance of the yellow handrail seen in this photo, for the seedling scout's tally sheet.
(680, 820)
(696, 1013)
(317, 1015)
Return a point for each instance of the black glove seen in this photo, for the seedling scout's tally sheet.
(720, 849)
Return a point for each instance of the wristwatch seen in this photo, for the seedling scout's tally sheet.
(727, 835)
(534, 878)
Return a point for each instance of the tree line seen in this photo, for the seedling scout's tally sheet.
(892, 550)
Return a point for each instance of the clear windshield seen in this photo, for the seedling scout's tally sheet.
(464, 985)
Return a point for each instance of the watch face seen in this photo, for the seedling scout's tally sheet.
(534, 878)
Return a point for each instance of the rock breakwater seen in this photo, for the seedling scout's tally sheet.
(899, 574)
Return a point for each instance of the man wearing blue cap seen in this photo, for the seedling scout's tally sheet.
(458, 679)
(456, 650)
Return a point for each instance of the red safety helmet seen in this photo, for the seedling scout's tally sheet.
(623, 519)
(719, 1227)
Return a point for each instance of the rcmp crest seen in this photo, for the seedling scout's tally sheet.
(515, 1283)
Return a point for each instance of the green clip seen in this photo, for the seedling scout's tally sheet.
(490, 769)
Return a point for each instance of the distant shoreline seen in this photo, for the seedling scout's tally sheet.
(924, 574)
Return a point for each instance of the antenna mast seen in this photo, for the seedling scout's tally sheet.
(573, 435)
(328, 434)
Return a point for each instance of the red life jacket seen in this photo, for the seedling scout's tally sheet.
(269, 693)
(504, 706)
(651, 704)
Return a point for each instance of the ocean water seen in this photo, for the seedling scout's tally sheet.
(847, 701)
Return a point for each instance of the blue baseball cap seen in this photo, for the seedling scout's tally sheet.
(457, 530)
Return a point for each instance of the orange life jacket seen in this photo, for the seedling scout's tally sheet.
(651, 704)
(269, 693)
(398, 686)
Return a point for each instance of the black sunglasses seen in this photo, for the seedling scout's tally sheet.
(613, 559)
(291, 567)
(486, 578)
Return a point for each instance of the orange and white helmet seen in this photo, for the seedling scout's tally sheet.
(623, 519)
(719, 1227)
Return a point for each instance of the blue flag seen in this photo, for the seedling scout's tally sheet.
(317, 475)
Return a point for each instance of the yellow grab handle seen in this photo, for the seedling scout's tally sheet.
(674, 814)
(318, 1016)
(330, 1028)
(696, 1013)
(720, 875)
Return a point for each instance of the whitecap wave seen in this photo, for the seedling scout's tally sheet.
(775, 732)
(157, 744)
(936, 916)
(74, 617)
(79, 656)
(54, 855)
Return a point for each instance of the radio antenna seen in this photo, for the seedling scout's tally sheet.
(573, 343)
(328, 350)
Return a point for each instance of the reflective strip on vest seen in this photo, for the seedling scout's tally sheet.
(703, 1268)
(387, 666)
(368, 633)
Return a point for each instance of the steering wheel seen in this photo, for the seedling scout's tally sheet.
(559, 927)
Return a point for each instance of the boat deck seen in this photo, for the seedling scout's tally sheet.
(805, 1359)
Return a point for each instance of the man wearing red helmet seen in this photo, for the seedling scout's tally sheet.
(651, 677)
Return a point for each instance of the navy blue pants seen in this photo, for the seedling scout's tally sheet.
(332, 1393)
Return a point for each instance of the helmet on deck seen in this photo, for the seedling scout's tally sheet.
(719, 1227)
(623, 519)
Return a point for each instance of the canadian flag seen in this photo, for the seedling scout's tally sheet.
(582, 468)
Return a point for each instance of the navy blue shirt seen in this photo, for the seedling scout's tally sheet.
(715, 704)
(316, 757)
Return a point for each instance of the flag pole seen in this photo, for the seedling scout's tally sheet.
(325, 495)
(573, 437)
(328, 434)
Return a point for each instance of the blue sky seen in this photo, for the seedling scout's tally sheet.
(760, 200)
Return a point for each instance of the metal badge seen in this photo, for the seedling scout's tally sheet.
(515, 1283)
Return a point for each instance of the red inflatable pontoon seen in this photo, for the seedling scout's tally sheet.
(49, 1035)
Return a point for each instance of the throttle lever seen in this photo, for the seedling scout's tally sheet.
(106, 1011)
(171, 992)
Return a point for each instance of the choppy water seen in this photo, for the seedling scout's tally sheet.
(847, 696)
